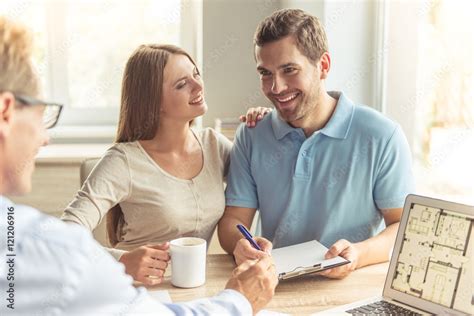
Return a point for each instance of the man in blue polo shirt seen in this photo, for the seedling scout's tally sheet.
(320, 166)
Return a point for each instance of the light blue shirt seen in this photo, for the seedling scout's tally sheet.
(328, 186)
(49, 267)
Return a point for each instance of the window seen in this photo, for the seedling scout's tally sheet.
(444, 136)
(82, 47)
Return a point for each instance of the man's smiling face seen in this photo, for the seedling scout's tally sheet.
(288, 79)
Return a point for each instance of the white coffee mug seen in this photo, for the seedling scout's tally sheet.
(188, 262)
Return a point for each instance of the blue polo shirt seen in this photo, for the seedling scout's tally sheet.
(328, 186)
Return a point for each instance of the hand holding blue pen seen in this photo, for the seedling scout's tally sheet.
(248, 236)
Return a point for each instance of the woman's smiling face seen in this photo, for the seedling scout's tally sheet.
(183, 90)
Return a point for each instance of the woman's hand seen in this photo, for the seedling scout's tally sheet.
(254, 115)
(147, 264)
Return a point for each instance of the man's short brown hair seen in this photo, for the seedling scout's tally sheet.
(307, 30)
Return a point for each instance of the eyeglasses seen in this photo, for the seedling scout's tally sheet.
(51, 113)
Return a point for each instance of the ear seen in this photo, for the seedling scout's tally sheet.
(7, 106)
(325, 61)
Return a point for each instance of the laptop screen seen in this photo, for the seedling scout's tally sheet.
(435, 257)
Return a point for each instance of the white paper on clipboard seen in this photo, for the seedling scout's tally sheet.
(305, 258)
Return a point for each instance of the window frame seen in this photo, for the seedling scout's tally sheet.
(75, 119)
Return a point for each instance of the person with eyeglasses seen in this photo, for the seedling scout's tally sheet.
(49, 267)
(51, 113)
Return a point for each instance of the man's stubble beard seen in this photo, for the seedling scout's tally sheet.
(305, 108)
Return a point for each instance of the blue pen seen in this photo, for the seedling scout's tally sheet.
(248, 236)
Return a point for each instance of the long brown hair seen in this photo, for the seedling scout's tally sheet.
(142, 87)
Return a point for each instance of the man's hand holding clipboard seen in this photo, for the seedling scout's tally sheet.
(346, 249)
(296, 260)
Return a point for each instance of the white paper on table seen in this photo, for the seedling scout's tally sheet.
(161, 296)
(301, 256)
(265, 312)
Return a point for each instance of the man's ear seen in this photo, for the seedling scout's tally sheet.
(325, 61)
(7, 107)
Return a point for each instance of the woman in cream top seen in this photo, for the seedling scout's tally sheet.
(156, 205)
(166, 178)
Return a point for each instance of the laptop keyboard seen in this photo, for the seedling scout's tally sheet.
(381, 308)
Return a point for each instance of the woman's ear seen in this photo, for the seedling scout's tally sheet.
(7, 106)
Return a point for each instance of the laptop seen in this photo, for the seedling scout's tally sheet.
(431, 269)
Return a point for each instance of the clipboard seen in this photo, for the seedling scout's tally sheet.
(305, 258)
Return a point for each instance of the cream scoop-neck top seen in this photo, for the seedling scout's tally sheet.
(156, 206)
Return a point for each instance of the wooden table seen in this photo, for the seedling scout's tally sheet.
(300, 296)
